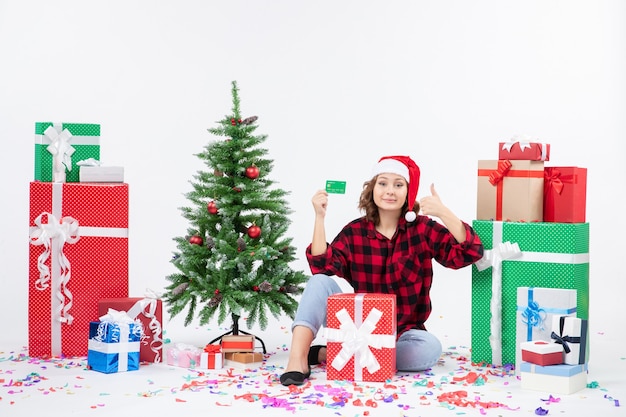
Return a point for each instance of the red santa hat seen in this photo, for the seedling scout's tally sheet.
(407, 168)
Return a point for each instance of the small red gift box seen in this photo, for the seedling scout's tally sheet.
(77, 256)
(523, 150)
(238, 343)
(361, 337)
(542, 353)
(211, 357)
(149, 310)
(565, 195)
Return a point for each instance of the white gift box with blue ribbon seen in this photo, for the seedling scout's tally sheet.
(114, 343)
(536, 308)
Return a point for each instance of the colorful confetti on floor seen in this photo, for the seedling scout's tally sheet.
(454, 387)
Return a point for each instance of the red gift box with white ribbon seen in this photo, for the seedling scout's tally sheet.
(78, 254)
(524, 150)
(361, 337)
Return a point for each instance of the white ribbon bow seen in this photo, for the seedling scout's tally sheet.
(356, 341)
(89, 162)
(494, 257)
(60, 149)
(115, 316)
(524, 143)
(53, 235)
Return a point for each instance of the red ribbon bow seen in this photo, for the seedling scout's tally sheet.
(503, 167)
(552, 179)
(212, 348)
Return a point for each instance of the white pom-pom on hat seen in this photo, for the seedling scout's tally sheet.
(407, 168)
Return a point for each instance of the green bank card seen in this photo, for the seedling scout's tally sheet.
(336, 187)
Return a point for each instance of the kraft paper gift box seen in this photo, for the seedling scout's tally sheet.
(183, 355)
(148, 310)
(361, 337)
(572, 334)
(565, 195)
(238, 343)
(540, 352)
(524, 150)
(211, 357)
(547, 255)
(559, 379)
(536, 307)
(243, 360)
(114, 345)
(78, 254)
(510, 190)
(59, 147)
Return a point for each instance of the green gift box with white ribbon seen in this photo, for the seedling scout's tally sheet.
(60, 146)
(548, 255)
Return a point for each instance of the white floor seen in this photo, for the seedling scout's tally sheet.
(30, 387)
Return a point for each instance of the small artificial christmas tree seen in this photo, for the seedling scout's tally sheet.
(235, 258)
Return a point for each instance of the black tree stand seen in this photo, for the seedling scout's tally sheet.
(235, 331)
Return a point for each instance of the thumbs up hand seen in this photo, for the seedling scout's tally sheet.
(431, 205)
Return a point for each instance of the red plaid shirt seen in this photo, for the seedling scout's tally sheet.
(371, 263)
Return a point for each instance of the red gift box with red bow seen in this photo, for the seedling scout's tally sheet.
(565, 195)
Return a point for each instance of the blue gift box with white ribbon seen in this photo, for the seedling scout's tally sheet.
(114, 346)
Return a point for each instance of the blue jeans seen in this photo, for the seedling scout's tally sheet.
(416, 350)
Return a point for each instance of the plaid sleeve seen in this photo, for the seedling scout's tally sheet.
(450, 253)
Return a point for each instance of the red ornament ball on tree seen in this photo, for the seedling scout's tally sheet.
(196, 240)
(254, 231)
(252, 172)
(256, 288)
(211, 207)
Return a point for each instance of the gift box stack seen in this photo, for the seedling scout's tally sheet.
(78, 252)
(235, 351)
(558, 364)
(239, 351)
(361, 337)
(531, 219)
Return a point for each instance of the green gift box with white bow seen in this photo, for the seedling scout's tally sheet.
(517, 254)
(64, 144)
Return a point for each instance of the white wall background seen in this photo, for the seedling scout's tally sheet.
(336, 84)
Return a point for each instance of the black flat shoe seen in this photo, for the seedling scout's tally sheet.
(314, 352)
(294, 378)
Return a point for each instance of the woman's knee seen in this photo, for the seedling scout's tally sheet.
(322, 285)
(417, 350)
